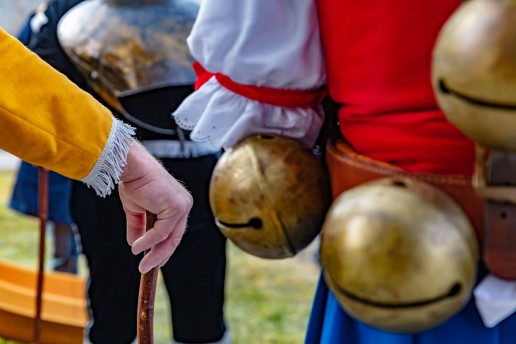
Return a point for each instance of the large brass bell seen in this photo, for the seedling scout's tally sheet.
(399, 255)
(269, 196)
(474, 72)
(128, 47)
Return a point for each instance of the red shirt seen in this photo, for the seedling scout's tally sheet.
(378, 56)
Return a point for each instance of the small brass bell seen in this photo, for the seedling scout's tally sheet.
(269, 196)
(399, 255)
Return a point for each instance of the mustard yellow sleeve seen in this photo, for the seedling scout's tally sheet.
(48, 121)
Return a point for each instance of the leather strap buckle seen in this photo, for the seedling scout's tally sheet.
(495, 181)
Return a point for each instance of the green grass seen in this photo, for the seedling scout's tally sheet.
(267, 302)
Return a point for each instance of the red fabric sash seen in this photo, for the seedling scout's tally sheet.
(378, 57)
(272, 96)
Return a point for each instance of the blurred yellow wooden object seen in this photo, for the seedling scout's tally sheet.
(64, 313)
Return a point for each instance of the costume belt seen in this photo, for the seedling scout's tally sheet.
(348, 169)
(493, 219)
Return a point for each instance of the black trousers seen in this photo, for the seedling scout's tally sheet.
(194, 276)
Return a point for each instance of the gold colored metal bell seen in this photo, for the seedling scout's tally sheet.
(399, 255)
(474, 72)
(125, 46)
(269, 196)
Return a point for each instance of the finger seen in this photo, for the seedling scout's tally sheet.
(161, 252)
(135, 226)
(161, 232)
(159, 265)
(135, 219)
(154, 258)
(163, 262)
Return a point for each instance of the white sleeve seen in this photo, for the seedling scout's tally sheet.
(269, 43)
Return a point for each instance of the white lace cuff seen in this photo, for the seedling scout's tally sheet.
(270, 44)
(107, 170)
(222, 118)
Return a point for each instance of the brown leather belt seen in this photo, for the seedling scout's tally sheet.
(348, 169)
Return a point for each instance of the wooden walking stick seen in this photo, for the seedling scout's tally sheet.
(43, 218)
(147, 295)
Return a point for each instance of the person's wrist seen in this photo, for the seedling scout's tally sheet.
(136, 158)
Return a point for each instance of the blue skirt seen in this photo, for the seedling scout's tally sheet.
(329, 324)
(25, 194)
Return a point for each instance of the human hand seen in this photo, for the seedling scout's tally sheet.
(146, 186)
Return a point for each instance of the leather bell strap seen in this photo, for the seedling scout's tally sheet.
(267, 95)
(348, 169)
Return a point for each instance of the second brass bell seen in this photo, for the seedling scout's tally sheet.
(399, 255)
(269, 196)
